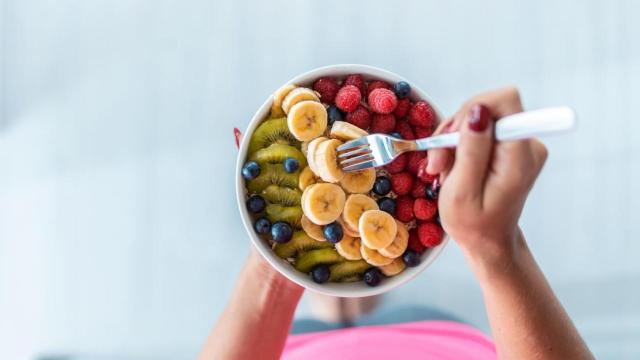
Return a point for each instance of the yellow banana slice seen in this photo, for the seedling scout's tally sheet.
(399, 244)
(349, 248)
(373, 257)
(314, 231)
(304, 146)
(354, 207)
(395, 268)
(345, 131)
(326, 161)
(307, 120)
(358, 181)
(311, 153)
(278, 97)
(298, 95)
(306, 178)
(377, 229)
(347, 229)
(323, 203)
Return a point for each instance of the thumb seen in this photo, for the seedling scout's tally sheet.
(473, 154)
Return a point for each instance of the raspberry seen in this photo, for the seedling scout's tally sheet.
(383, 123)
(377, 84)
(328, 88)
(430, 234)
(382, 101)
(421, 114)
(398, 164)
(413, 163)
(404, 129)
(348, 98)
(414, 242)
(402, 183)
(404, 208)
(403, 108)
(425, 209)
(356, 80)
(360, 117)
(419, 189)
(422, 173)
(422, 132)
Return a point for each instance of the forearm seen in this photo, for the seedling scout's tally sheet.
(526, 318)
(257, 319)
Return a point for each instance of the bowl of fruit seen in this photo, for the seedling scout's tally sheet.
(347, 234)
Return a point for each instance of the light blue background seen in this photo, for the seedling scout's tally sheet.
(119, 236)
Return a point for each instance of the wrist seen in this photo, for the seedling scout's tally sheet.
(272, 282)
(496, 256)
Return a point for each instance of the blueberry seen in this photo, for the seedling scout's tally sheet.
(373, 277)
(262, 226)
(256, 204)
(334, 114)
(250, 170)
(402, 89)
(382, 186)
(281, 232)
(396, 135)
(387, 205)
(291, 165)
(333, 232)
(411, 258)
(320, 273)
(432, 192)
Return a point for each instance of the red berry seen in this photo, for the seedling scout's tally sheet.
(398, 164)
(421, 114)
(422, 173)
(383, 123)
(356, 80)
(402, 183)
(413, 163)
(403, 108)
(404, 129)
(422, 132)
(348, 98)
(382, 101)
(425, 209)
(430, 234)
(360, 117)
(414, 242)
(377, 84)
(404, 208)
(418, 190)
(328, 88)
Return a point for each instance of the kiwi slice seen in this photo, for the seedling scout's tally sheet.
(275, 194)
(289, 214)
(299, 242)
(348, 271)
(312, 258)
(272, 174)
(277, 153)
(271, 131)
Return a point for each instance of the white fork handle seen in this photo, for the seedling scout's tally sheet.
(513, 127)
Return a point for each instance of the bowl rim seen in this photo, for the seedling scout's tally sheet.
(358, 289)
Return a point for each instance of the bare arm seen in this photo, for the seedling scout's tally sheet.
(256, 322)
(485, 185)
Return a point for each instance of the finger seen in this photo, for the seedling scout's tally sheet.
(439, 158)
(472, 155)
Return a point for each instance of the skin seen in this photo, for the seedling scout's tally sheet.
(484, 188)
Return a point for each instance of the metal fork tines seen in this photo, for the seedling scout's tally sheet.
(368, 151)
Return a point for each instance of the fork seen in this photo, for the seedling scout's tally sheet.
(378, 149)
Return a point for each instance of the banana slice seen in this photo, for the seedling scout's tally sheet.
(394, 268)
(358, 181)
(298, 95)
(314, 231)
(311, 153)
(399, 244)
(278, 97)
(307, 120)
(347, 229)
(345, 131)
(373, 257)
(354, 207)
(323, 203)
(349, 248)
(377, 229)
(306, 178)
(326, 161)
(304, 146)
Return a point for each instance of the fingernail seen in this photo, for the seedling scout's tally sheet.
(479, 118)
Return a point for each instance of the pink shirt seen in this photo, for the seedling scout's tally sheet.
(417, 340)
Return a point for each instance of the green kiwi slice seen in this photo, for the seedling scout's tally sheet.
(272, 174)
(289, 214)
(300, 242)
(271, 131)
(348, 271)
(277, 153)
(275, 194)
(308, 260)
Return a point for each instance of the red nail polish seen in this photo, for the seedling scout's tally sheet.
(479, 118)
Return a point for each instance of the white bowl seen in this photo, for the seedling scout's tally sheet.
(355, 289)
